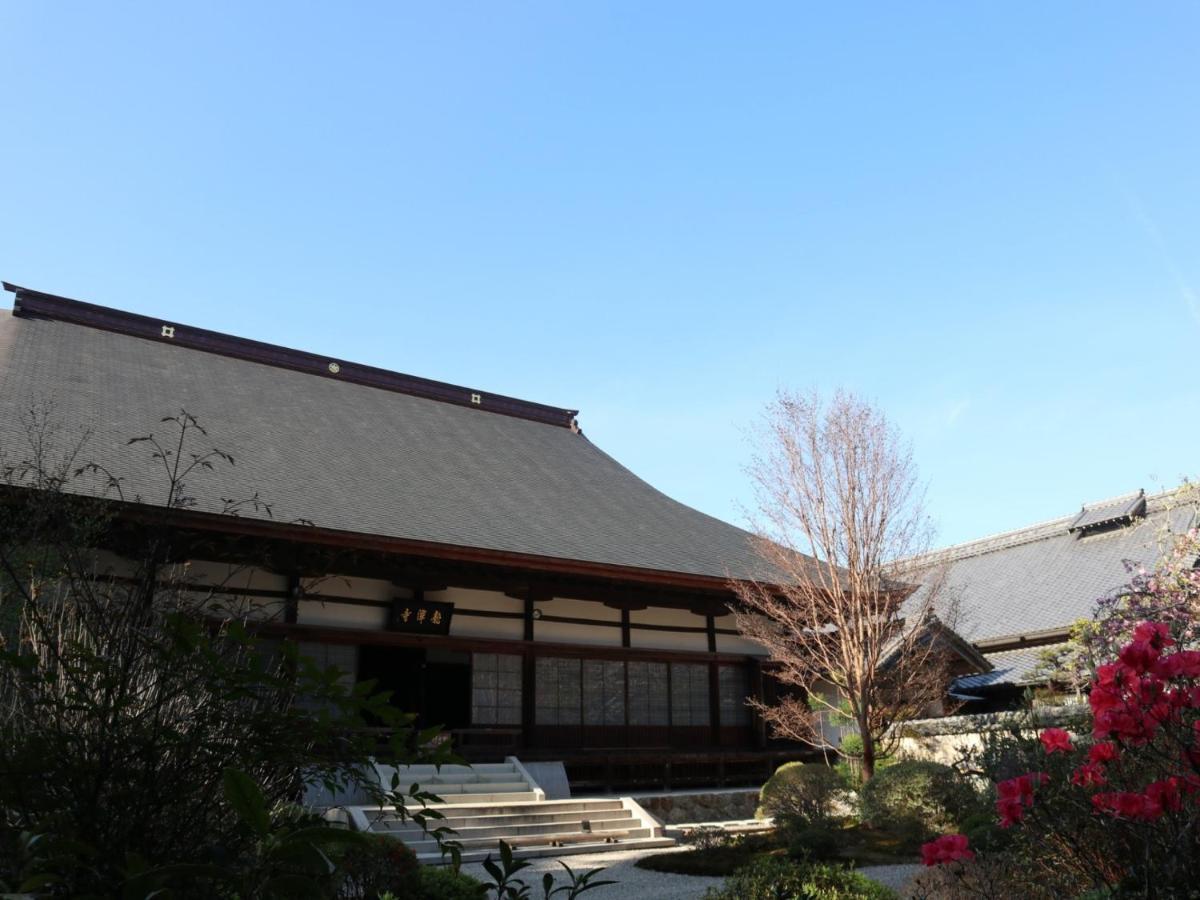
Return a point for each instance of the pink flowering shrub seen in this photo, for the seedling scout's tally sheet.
(947, 848)
(1120, 809)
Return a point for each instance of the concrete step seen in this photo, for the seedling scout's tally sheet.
(485, 798)
(428, 770)
(477, 787)
(426, 847)
(393, 824)
(460, 809)
(472, 778)
(410, 833)
(529, 852)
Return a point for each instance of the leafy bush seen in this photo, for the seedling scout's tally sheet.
(127, 696)
(919, 795)
(773, 878)
(800, 795)
(443, 883)
(375, 865)
(812, 842)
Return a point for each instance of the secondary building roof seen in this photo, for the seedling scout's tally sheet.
(1047, 576)
(1018, 593)
(348, 447)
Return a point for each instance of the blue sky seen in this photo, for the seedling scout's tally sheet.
(984, 217)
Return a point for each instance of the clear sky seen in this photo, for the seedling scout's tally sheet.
(983, 216)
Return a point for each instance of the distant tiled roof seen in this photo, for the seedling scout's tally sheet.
(1010, 667)
(391, 460)
(1045, 577)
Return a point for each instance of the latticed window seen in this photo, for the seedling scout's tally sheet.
(558, 696)
(603, 692)
(689, 694)
(495, 689)
(734, 688)
(649, 702)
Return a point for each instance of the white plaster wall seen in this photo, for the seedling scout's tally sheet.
(479, 626)
(340, 615)
(199, 571)
(572, 633)
(668, 640)
(729, 643)
(358, 588)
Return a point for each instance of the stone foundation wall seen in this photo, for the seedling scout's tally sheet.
(701, 806)
(947, 739)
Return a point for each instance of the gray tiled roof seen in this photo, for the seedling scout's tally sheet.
(1017, 667)
(1045, 577)
(357, 458)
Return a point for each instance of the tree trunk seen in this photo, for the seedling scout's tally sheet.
(868, 757)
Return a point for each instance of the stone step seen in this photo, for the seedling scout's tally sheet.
(411, 833)
(484, 797)
(477, 787)
(467, 809)
(472, 856)
(427, 770)
(429, 847)
(470, 778)
(393, 825)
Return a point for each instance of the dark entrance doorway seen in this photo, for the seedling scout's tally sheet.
(435, 684)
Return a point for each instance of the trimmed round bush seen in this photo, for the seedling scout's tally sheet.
(920, 795)
(770, 878)
(800, 795)
(443, 883)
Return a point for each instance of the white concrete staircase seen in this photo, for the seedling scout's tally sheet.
(491, 802)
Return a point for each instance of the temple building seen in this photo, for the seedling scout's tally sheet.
(475, 553)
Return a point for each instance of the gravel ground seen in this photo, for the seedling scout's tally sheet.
(619, 864)
(895, 877)
(648, 885)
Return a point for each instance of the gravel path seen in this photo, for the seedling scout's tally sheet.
(647, 885)
(895, 877)
(619, 864)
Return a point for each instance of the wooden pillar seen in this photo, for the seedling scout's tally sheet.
(756, 691)
(714, 702)
(710, 625)
(528, 677)
(625, 629)
(291, 603)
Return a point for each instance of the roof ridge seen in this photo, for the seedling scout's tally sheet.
(1015, 537)
(29, 303)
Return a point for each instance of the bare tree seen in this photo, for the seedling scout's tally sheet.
(840, 522)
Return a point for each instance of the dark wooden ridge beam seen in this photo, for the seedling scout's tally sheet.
(331, 635)
(29, 303)
(599, 574)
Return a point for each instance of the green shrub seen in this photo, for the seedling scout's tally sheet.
(443, 883)
(376, 865)
(812, 842)
(800, 795)
(772, 878)
(926, 797)
(983, 831)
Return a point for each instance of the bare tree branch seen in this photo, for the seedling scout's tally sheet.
(841, 524)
